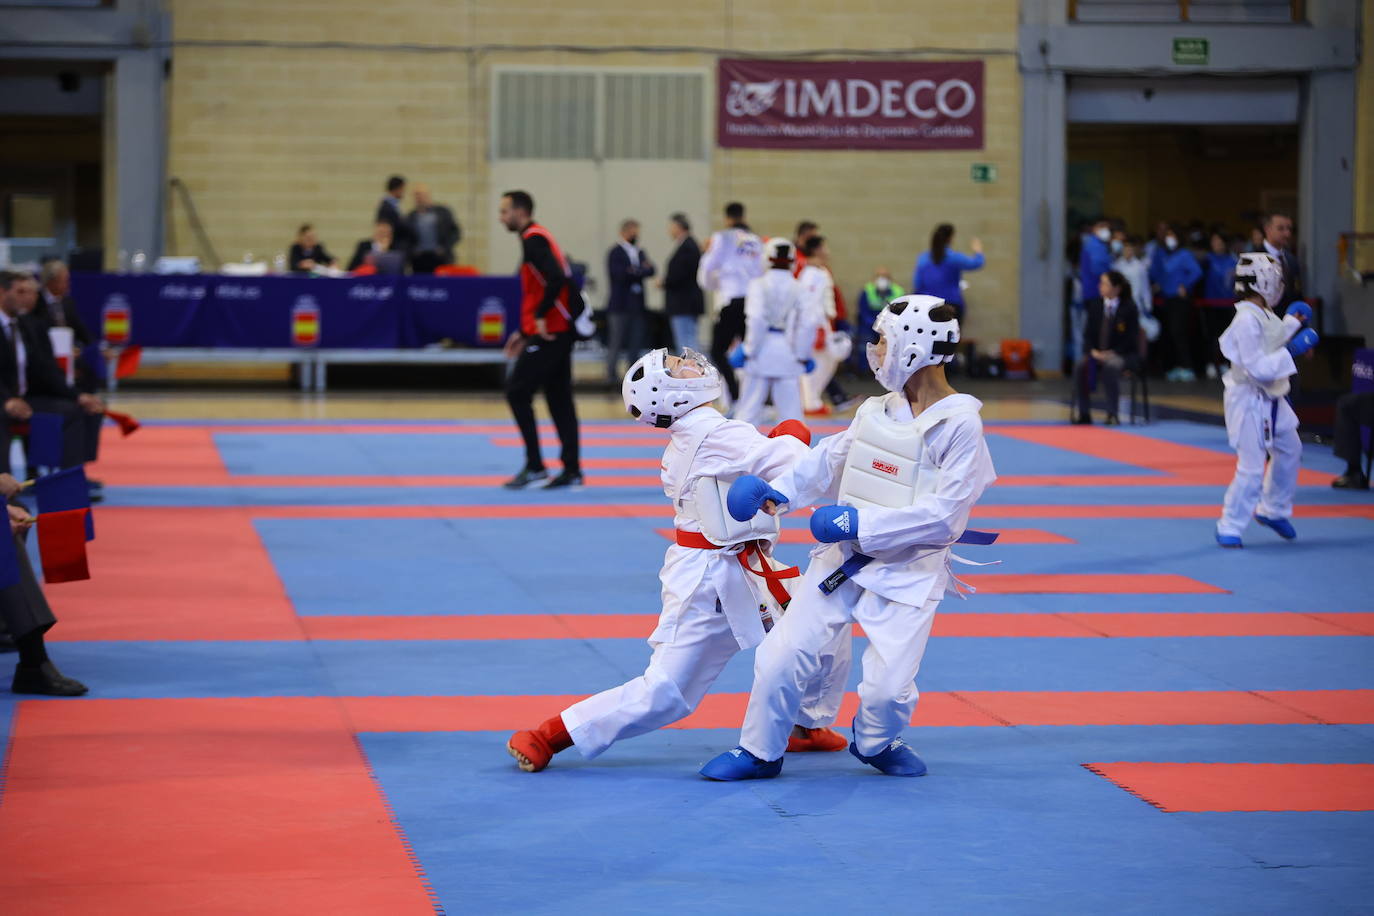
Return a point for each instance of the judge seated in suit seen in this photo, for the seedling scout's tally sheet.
(55, 308)
(367, 250)
(31, 381)
(627, 267)
(26, 616)
(1111, 344)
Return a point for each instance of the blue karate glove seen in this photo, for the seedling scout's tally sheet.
(835, 523)
(737, 357)
(1300, 310)
(1302, 341)
(809, 365)
(747, 496)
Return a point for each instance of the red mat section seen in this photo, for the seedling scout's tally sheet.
(639, 626)
(197, 806)
(802, 535)
(175, 574)
(1089, 584)
(961, 709)
(1246, 786)
(163, 456)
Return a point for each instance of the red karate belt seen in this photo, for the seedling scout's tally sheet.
(773, 577)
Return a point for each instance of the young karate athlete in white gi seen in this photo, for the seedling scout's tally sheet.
(779, 330)
(721, 589)
(1260, 423)
(895, 491)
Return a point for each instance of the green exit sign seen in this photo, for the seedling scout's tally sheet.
(983, 173)
(1191, 52)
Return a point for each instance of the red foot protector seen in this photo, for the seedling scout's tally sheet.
(1245, 786)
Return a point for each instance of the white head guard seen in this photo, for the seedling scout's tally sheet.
(780, 249)
(1259, 272)
(654, 397)
(913, 339)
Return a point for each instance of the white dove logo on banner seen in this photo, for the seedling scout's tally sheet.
(751, 99)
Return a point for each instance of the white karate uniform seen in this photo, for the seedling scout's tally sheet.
(732, 259)
(778, 333)
(710, 603)
(818, 291)
(1259, 421)
(894, 597)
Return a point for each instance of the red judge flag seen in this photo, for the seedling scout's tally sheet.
(127, 363)
(126, 423)
(62, 545)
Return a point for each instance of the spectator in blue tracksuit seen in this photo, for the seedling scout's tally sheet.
(1221, 270)
(1175, 275)
(1096, 256)
(938, 270)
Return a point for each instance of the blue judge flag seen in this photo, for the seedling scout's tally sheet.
(45, 440)
(65, 490)
(9, 561)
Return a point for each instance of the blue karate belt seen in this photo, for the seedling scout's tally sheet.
(858, 561)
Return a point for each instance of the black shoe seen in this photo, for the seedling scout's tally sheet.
(1113, 420)
(1348, 481)
(564, 479)
(525, 478)
(46, 680)
(1082, 420)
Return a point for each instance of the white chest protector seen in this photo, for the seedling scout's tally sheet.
(1276, 334)
(883, 468)
(703, 499)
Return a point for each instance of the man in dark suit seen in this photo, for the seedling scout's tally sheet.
(31, 381)
(55, 308)
(627, 266)
(1278, 241)
(1111, 344)
(389, 212)
(26, 616)
(682, 297)
(434, 231)
(367, 250)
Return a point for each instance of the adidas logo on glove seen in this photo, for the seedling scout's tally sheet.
(842, 522)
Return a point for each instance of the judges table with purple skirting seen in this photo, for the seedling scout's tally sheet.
(310, 321)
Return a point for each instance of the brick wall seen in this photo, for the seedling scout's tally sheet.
(268, 137)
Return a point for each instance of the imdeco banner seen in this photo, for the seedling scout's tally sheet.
(891, 105)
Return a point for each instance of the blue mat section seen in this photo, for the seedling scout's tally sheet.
(557, 666)
(972, 837)
(133, 670)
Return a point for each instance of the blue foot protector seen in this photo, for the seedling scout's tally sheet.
(1282, 526)
(1228, 540)
(737, 763)
(897, 759)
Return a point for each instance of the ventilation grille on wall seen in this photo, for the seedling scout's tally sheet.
(599, 115)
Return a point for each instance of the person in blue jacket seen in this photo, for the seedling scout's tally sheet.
(1221, 269)
(1174, 276)
(1096, 257)
(938, 270)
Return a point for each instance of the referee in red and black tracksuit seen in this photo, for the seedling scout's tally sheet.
(544, 345)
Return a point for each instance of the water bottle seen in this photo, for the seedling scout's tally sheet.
(139, 262)
(279, 264)
(122, 263)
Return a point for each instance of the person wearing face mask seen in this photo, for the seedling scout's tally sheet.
(873, 298)
(1096, 257)
(627, 266)
(1176, 274)
(1260, 423)
(1137, 273)
(721, 586)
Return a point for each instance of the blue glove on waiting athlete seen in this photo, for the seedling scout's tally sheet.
(1301, 311)
(809, 365)
(747, 496)
(835, 523)
(1303, 341)
(737, 357)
